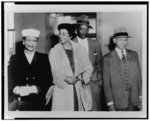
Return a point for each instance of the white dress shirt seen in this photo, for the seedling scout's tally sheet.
(29, 56)
(120, 53)
(84, 43)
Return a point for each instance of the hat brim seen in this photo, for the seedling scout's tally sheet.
(84, 24)
(121, 36)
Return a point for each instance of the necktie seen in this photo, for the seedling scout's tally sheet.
(123, 57)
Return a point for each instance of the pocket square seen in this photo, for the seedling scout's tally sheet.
(94, 53)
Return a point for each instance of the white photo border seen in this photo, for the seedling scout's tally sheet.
(99, 7)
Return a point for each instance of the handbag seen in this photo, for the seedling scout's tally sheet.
(86, 97)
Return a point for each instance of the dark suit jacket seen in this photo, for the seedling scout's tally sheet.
(21, 73)
(95, 56)
(114, 84)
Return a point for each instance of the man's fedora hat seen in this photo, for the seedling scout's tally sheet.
(120, 32)
(83, 19)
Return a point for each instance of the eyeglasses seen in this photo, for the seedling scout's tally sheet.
(29, 40)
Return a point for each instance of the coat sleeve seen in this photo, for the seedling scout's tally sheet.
(139, 78)
(87, 64)
(97, 69)
(12, 70)
(107, 80)
(58, 78)
(46, 75)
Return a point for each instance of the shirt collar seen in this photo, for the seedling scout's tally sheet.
(81, 39)
(119, 51)
(29, 53)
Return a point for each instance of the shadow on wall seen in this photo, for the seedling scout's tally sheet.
(111, 46)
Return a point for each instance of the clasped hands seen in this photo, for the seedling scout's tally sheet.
(71, 80)
(25, 90)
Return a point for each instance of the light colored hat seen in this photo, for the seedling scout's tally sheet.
(30, 32)
(121, 32)
(83, 19)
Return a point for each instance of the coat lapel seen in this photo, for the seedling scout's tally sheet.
(75, 39)
(24, 59)
(90, 47)
(74, 57)
(35, 58)
(129, 56)
(64, 58)
(117, 62)
(129, 62)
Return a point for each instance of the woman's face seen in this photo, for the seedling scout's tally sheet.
(64, 36)
(30, 43)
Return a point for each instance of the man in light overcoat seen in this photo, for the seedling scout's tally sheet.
(93, 49)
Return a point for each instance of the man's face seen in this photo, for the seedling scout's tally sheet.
(121, 42)
(82, 31)
(30, 43)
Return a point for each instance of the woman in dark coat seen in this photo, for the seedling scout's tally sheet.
(29, 75)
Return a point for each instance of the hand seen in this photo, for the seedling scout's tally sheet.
(70, 80)
(16, 90)
(32, 89)
(21, 90)
(25, 90)
(75, 80)
(112, 107)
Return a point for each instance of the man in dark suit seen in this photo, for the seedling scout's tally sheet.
(122, 75)
(29, 75)
(94, 51)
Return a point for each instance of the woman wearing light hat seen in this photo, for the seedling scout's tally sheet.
(71, 70)
(29, 75)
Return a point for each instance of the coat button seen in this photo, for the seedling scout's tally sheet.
(127, 89)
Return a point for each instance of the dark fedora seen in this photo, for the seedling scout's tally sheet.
(120, 32)
(83, 19)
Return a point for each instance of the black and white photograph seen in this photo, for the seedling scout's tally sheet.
(75, 60)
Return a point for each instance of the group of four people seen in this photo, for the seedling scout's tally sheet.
(73, 71)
